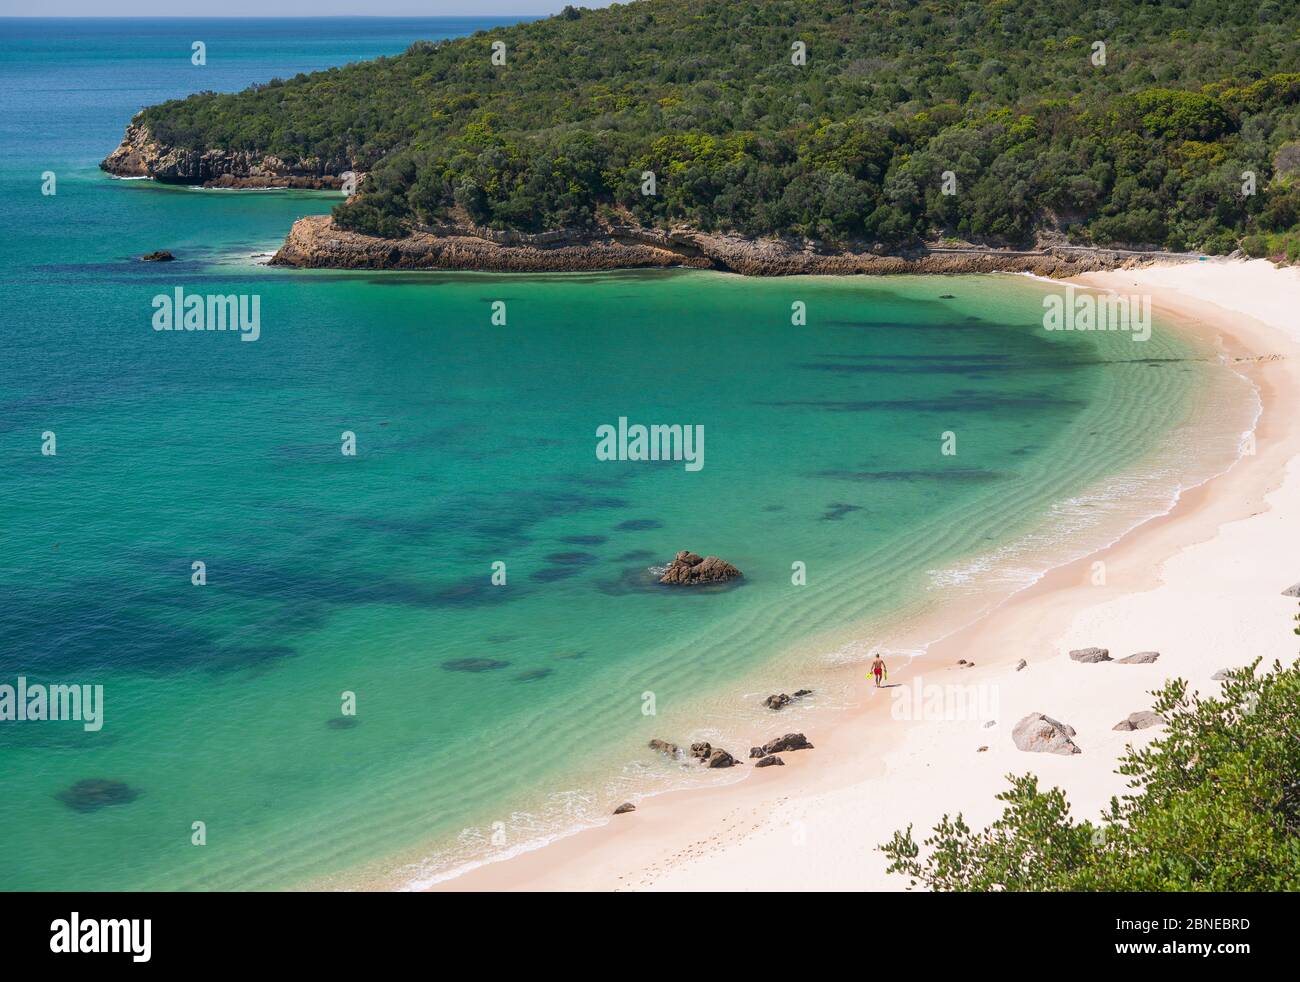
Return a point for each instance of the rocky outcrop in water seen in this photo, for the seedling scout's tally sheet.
(161, 256)
(315, 241)
(688, 569)
(140, 154)
(781, 700)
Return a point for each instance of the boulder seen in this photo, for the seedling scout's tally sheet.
(1139, 721)
(711, 756)
(688, 569)
(1041, 734)
(1022, 664)
(770, 762)
(980, 750)
(1292, 591)
(624, 808)
(1221, 674)
(1141, 658)
(755, 752)
(791, 741)
(1090, 655)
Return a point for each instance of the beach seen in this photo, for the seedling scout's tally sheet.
(1201, 585)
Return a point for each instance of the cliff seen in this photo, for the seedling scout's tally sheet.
(315, 242)
(140, 154)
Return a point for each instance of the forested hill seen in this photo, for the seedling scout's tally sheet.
(1148, 148)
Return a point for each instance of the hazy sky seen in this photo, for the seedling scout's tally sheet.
(284, 8)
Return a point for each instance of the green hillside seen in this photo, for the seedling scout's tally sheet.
(1147, 149)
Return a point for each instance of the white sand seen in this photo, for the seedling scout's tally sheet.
(1202, 586)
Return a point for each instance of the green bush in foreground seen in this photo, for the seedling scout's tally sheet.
(1216, 806)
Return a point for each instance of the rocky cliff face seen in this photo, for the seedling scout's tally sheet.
(316, 242)
(141, 155)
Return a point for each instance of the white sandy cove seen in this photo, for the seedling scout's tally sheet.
(1202, 586)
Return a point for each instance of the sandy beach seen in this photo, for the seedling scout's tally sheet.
(1202, 586)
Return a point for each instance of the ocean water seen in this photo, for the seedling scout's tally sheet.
(486, 716)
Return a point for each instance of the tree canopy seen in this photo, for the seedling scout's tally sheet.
(1144, 142)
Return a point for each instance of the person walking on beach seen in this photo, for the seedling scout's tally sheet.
(879, 670)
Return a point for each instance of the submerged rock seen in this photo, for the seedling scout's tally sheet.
(664, 747)
(688, 569)
(1141, 658)
(1041, 734)
(1090, 656)
(94, 793)
(474, 665)
(161, 256)
(341, 722)
(533, 674)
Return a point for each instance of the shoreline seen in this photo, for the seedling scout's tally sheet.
(313, 242)
(871, 772)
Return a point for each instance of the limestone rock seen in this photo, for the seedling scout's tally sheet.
(1037, 733)
(1140, 721)
(1090, 656)
(1141, 658)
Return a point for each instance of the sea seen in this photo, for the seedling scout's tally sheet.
(367, 606)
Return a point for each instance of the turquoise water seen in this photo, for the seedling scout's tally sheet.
(486, 715)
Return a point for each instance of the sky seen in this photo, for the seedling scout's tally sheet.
(286, 8)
